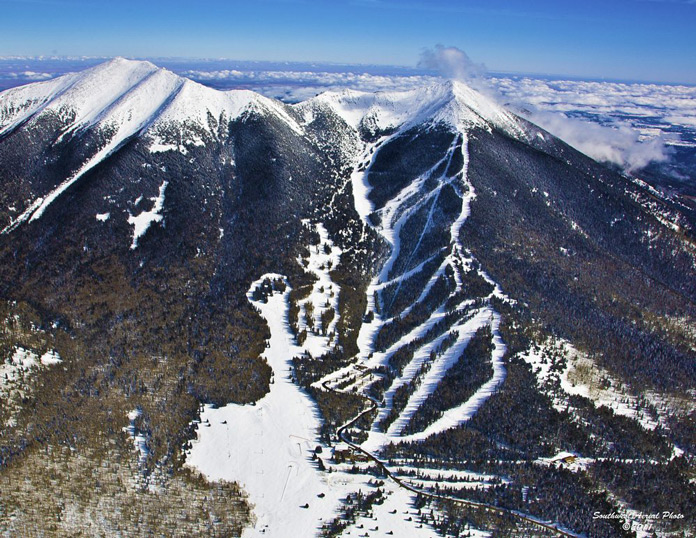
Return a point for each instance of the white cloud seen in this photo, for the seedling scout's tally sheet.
(297, 86)
(684, 119)
(28, 75)
(621, 121)
(452, 63)
(620, 145)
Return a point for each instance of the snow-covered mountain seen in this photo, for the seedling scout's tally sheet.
(509, 323)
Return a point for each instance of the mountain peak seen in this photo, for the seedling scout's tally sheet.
(120, 60)
(121, 99)
(123, 84)
(451, 102)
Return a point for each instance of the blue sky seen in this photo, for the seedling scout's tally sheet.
(617, 39)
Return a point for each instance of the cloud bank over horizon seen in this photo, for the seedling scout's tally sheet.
(296, 86)
(629, 125)
(620, 145)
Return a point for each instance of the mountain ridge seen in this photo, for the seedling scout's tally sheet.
(426, 251)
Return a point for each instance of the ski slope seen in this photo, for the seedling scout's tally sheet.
(267, 447)
(460, 108)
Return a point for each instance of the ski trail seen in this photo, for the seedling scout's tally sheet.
(395, 214)
(426, 227)
(458, 415)
(408, 274)
(439, 368)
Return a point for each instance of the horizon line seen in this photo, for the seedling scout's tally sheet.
(413, 69)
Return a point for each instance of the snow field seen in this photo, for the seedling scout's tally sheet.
(23, 360)
(267, 447)
(443, 475)
(395, 517)
(451, 102)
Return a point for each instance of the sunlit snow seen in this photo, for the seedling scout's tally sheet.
(142, 222)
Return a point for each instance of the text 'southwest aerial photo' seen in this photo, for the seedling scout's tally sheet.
(368, 268)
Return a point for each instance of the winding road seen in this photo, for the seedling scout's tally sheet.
(372, 406)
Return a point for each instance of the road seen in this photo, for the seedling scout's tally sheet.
(372, 406)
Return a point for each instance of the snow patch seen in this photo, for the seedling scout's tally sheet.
(16, 375)
(50, 358)
(583, 377)
(567, 460)
(142, 222)
(161, 148)
(139, 440)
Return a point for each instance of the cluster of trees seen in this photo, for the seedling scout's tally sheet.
(653, 487)
(397, 296)
(353, 506)
(267, 288)
(593, 266)
(399, 401)
(400, 358)
(426, 231)
(99, 490)
(556, 494)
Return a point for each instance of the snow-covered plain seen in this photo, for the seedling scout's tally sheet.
(268, 447)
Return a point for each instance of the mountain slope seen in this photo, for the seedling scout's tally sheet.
(499, 297)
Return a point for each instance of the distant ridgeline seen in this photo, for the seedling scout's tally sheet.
(513, 323)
